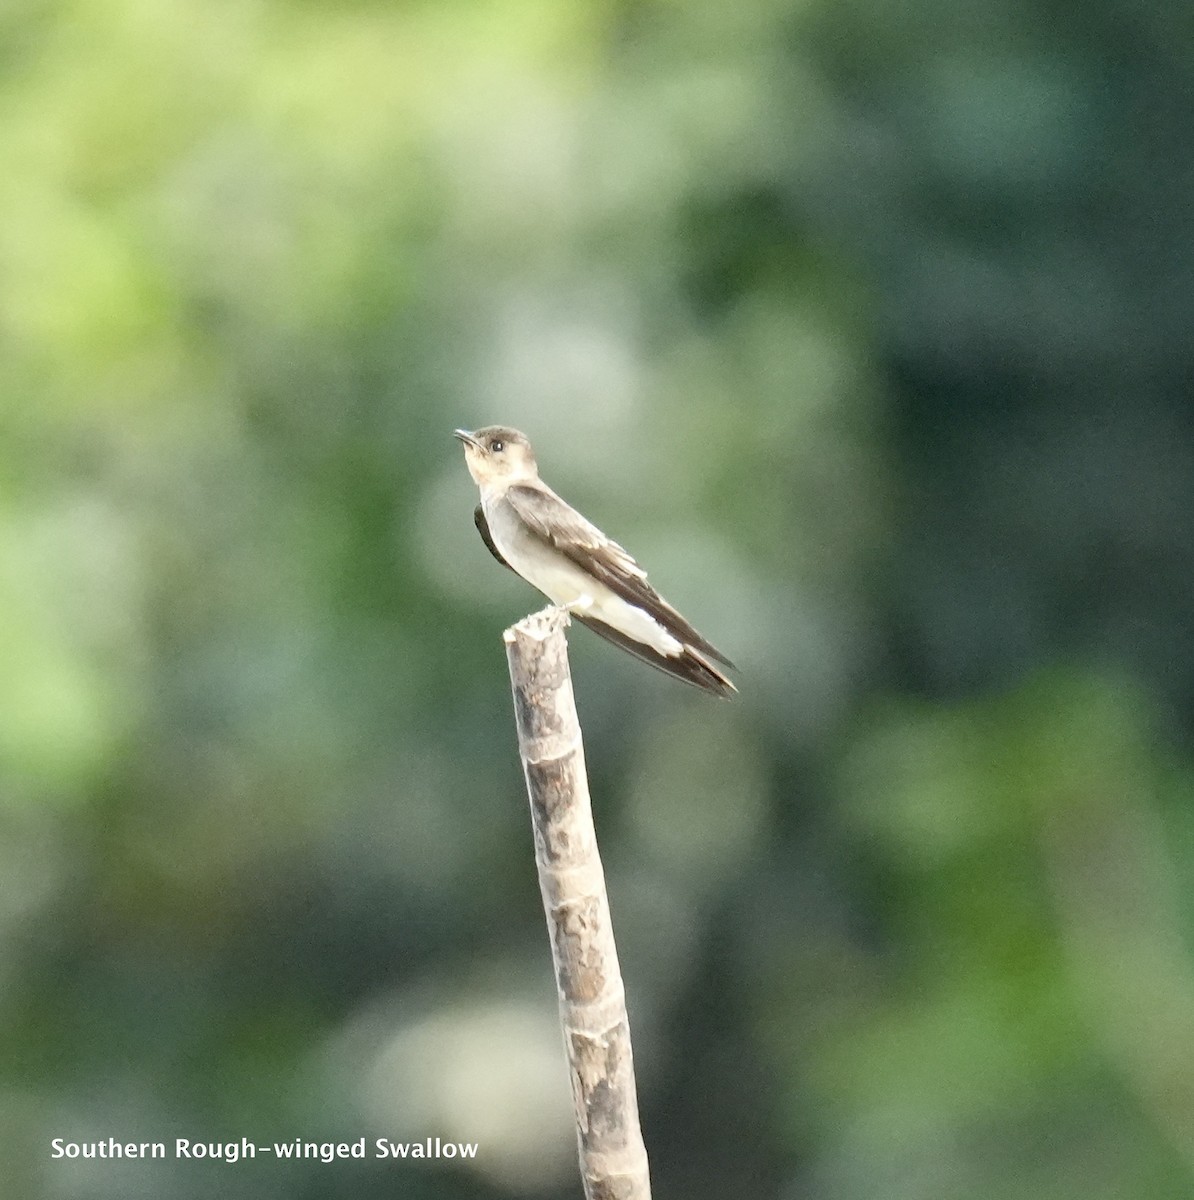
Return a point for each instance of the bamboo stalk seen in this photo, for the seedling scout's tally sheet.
(613, 1159)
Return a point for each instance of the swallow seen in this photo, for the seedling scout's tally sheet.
(531, 530)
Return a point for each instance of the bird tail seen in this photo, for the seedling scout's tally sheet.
(691, 666)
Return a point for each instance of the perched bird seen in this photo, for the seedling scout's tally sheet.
(529, 529)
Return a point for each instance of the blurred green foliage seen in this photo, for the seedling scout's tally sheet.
(865, 326)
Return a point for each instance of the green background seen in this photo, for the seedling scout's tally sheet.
(864, 325)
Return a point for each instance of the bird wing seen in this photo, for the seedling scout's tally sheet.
(483, 529)
(562, 527)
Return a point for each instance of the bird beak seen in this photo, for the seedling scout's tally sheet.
(467, 438)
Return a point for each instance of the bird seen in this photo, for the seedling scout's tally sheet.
(531, 530)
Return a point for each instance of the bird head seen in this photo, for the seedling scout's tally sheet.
(497, 455)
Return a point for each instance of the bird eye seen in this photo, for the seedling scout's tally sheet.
(497, 445)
